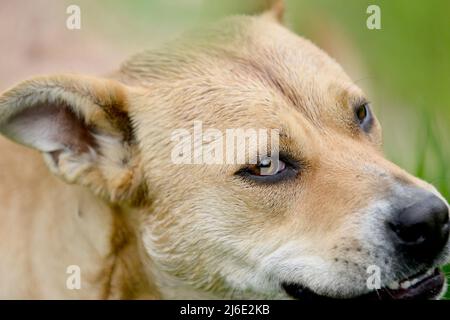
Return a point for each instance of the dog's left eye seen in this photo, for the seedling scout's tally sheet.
(364, 116)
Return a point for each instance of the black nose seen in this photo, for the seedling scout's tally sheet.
(422, 229)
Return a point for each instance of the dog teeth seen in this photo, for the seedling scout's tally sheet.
(409, 283)
(429, 273)
(394, 285)
(406, 284)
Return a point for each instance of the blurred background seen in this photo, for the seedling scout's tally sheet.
(404, 67)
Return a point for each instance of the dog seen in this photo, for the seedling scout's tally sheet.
(88, 183)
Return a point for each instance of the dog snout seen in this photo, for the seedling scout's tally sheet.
(421, 230)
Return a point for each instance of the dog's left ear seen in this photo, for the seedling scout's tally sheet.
(81, 126)
(275, 10)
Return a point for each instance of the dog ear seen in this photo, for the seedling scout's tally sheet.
(275, 10)
(82, 127)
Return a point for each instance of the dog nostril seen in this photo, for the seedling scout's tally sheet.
(445, 228)
(422, 228)
(446, 218)
(410, 235)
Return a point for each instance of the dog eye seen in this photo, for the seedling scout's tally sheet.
(364, 116)
(267, 167)
(361, 113)
(270, 170)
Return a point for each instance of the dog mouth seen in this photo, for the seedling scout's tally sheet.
(426, 285)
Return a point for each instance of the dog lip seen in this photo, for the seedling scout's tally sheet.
(427, 288)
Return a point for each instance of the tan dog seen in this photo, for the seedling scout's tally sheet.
(108, 198)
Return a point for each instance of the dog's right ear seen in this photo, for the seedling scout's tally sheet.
(82, 127)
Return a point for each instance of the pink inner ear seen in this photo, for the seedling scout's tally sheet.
(50, 128)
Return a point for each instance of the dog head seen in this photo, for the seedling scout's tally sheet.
(310, 223)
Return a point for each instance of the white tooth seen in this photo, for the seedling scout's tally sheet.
(423, 277)
(414, 281)
(406, 285)
(394, 286)
(429, 272)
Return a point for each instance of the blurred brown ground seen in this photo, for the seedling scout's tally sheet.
(34, 40)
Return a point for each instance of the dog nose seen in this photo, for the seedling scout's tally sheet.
(422, 229)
